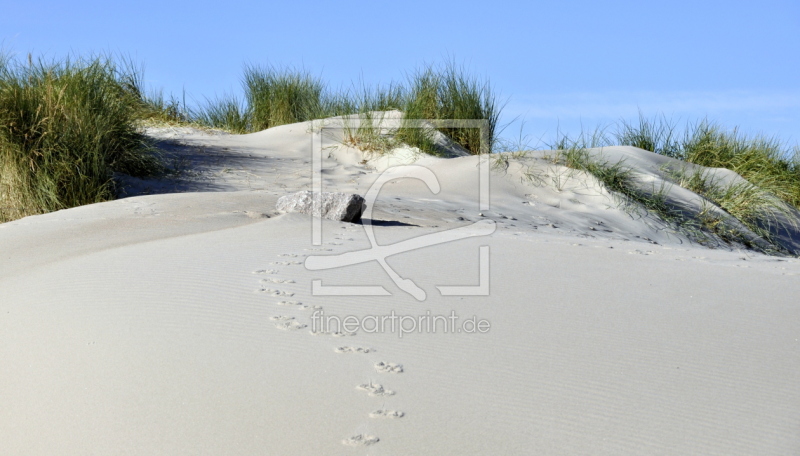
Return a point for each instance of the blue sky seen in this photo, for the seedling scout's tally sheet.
(562, 64)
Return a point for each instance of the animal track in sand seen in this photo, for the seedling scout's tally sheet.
(271, 280)
(387, 414)
(276, 292)
(298, 305)
(388, 368)
(290, 325)
(266, 271)
(353, 350)
(287, 323)
(361, 440)
(374, 389)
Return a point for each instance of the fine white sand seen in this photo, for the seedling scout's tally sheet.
(178, 320)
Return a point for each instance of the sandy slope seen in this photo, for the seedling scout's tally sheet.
(148, 325)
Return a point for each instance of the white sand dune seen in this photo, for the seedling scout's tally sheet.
(178, 320)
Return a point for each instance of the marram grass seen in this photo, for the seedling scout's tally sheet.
(763, 161)
(770, 170)
(65, 128)
(278, 96)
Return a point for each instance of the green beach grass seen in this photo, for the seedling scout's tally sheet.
(765, 162)
(277, 96)
(65, 128)
(762, 202)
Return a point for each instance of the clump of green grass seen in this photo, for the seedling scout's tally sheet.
(756, 208)
(656, 135)
(366, 106)
(65, 128)
(447, 93)
(226, 113)
(272, 97)
(764, 162)
(361, 98)
(369, 136)
(277, 96)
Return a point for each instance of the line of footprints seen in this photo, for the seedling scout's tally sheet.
(270, 286)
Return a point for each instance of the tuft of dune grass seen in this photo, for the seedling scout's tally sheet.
(277, 96)
(226, 113)
(447, 92)
(761, 211)
(763, 161)
(771, 174)
(65, 128)
(282, 96)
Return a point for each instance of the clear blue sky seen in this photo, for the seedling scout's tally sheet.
(559, 63)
